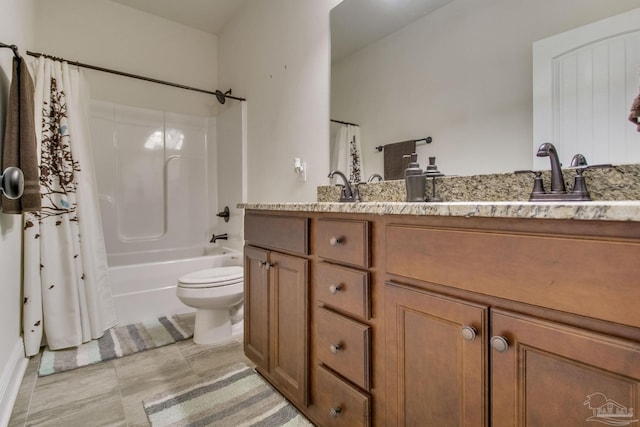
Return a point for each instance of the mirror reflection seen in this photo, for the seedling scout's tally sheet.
(459, 71)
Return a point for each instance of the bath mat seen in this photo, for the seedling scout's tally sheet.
(238, 398)
(117, 342)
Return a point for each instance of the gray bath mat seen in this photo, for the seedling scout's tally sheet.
(238, 398)
(117, 342)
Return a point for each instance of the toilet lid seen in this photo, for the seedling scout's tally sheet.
(219, 276)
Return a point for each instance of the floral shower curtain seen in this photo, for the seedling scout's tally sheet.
(347, 154)
(67, 296)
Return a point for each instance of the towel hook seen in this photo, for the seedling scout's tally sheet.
(12, 182)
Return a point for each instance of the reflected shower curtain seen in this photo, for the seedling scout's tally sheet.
(347, 154)
(67, 295)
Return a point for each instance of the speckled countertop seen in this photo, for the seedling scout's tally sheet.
(604, 211)
(615, 191)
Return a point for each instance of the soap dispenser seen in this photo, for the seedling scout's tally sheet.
(414, 180)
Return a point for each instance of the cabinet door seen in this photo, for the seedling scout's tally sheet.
(550, 374)
(289, 323)
(435, 375)
(256, 307)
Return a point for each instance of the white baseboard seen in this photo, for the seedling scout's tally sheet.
(10, 381)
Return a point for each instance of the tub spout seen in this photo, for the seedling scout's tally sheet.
(219, 237)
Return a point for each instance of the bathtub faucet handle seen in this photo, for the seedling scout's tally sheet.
(224, 214)
(219, 237)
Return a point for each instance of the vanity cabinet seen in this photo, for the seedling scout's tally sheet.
(276, 301)
(462, 329)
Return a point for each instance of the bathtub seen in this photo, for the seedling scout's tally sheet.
(143, 290)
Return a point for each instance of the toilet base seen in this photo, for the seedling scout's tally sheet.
(212, 326)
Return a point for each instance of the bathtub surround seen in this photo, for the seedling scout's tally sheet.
(238, 397)
(67, 296)
(118, 342)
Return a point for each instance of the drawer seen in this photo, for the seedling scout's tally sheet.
(285, 233)
(339, 403)
(343, 288)
(344, 241)
(582, 275)
(344, 346)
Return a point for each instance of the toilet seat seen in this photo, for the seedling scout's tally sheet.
(212, 277)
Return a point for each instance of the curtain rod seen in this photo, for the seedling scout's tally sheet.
(13, 47)
(344, 123)
(426, 140)
(135, 76)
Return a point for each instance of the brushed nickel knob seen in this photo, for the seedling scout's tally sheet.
(262, 264)
(499, 344)
(334, 348)
(334, 412)
(335, 241)
(334, 289)
(469, 333)
(269, 265)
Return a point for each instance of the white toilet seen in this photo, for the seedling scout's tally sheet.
(213, 292)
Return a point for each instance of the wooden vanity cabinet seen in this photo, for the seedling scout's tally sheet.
(536, 365)
(276, 302)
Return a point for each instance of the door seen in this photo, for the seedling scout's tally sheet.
(436, 359)
(547, 374)
(256, 307)
(289, 322)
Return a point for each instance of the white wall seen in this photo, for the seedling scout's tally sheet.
(111, 35)
(462, 75)
(15, 28)
(276, 54)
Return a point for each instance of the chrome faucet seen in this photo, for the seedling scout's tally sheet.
(557, 179)
(219, 237)
(347, 194)
(375, 176)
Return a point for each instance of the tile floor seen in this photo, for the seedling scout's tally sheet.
(111, 393)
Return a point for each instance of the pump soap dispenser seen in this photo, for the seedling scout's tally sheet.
(414, 180)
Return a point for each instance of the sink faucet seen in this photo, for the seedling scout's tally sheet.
(375, 176)
(347, 194)
(557, 179)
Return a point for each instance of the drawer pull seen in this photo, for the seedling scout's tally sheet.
(334, 289)
(469, 333)
(334, 412)
(334, 348)
(335, 241)
(499, 344)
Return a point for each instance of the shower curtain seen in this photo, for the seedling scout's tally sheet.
(67, 296)
(346, 152)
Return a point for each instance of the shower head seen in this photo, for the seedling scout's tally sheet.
(221, 97)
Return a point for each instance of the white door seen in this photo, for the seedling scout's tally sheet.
(584, 82)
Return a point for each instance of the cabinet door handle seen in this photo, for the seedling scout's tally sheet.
(269, 266)
(499, 344)
(334, 289)
(334, 348)
(335, 241)
(334, 412)
(469, 333)
(262, 263)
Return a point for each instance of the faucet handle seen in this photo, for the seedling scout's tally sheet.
(538, 185)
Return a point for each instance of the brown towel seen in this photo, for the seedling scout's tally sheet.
(635, 112)
(19, 147)
(394, 163)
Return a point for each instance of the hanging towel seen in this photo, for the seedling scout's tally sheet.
(634, 116)
(19, 147)
(394, 163)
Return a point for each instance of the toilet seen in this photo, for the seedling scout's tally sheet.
(212, 292)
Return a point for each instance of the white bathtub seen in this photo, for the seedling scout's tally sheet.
(144, 290)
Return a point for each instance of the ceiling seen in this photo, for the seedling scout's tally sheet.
(357, 23)
(206, 15)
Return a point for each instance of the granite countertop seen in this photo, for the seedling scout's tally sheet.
(598, 210)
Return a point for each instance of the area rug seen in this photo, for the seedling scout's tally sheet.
(238, 398)
(117, 342)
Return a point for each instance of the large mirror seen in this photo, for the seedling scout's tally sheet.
(459, 71)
